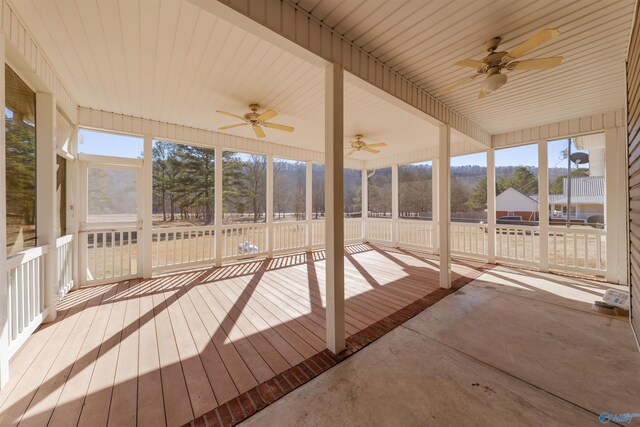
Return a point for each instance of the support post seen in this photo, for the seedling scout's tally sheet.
(334, 209)
(543, 204)
(614, 208)
(218, 206)
(46, 191)
(309, 205)
(147, 208)
(73, 195)
(491, 206)
(270, 230)
(365, 203)
(435, 206)
(394, 205)
(444, 208)
(4, 290)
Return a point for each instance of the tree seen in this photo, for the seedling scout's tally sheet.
(522, 180)
(478, 197)
(557, 186)
(459, 195)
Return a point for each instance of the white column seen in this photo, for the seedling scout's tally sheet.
(334, 209)
(543, 204)
(218, 206)
(616, 205)
(309, 205)
(435, 206)
(4, 294)
(46, 191)
(81, 211)
(394, 205)
(269, 206)
(444, 205)
(491, 206)
(147, 207)
(73, 195)
(365, 202)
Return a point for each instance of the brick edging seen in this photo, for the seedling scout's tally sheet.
(250, 402)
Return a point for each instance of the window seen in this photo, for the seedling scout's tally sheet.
(113, 194)
(517, 184)
(415, 191)
(289, 189)
(110, 144)
(183, 185)
(352, 193)
(61, 196)
(244, 187)
(469, 188)
(380, 193)
(20, 134)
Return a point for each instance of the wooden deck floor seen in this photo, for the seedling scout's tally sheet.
(166, 350)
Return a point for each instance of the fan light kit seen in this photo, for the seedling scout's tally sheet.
(256, 121)
(497, 63)
(360, 145)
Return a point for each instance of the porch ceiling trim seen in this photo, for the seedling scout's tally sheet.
(120, 123)
(563, 129)
(301, 28)
(24, 53)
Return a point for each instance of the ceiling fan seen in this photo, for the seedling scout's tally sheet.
(256, 121)
(360, 145)
(497, 63)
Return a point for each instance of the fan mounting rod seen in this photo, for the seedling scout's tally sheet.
(493, 44)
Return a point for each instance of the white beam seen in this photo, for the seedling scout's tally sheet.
(218, 206)
(435, 205)
(309, 204)
(73, 195)
(491, 206)
(615, 205)
(269, 218)
(147, 207)
(394, 205)
(543, 204)
(46, 191)
(4, 290)
(365, 202)
(334, 209)
(444, 204)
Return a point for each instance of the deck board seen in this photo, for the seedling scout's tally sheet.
(165, 350)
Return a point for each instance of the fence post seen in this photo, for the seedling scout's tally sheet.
(46, 190)
(309, 205)
(491, 206)
(269, 206)
(394, 205)
(543, 205)
(218, 206)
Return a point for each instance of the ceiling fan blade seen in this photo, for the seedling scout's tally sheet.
(233, 126)
(533, 42)
(267, 115)
(457, 84)
(258, 131)
(470, 63)
(232, 115)
(482, 94)
(370, 150)
(536, 64)
(379, 144)
(353, 150)
(279, 127)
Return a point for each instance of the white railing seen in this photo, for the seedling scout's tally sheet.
(379, 229)
(352, 230)
(112, 254)
(415, 233)
(580, 249)
(518, 244)
(468, 239)
(243, 241)
(317, 233)
(182, 246)
(289, 236)
(25, 303)
(64, 264)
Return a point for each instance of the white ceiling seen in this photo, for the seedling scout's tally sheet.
(173, 62)
(421, 39)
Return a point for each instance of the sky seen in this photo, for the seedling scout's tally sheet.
(106, 144)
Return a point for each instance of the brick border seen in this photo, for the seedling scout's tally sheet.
(248, 403)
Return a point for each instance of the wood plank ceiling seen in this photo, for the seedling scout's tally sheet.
(421, 39)
(173, 62)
